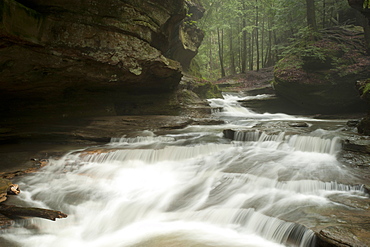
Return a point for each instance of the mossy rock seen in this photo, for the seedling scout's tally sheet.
(207, 90)
(321, 75)
(364, 126)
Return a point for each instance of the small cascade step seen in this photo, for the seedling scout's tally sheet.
(305, 143)
(249, 220)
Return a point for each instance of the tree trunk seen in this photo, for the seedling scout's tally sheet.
(244, 42)
(257, 39)
(269, 59)
(324, 13)
(276, 51)
(263, 42)
(251, 51)
(231, 50)
(311, 15)
(221, 50)
(210, 56)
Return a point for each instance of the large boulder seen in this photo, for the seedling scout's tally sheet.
(321, 75)
(98, 57)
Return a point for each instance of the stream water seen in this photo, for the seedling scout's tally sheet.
(193, 187)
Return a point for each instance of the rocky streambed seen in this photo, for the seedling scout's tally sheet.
(344, 223)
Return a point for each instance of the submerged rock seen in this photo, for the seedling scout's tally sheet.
(299, 125)
(321, 76)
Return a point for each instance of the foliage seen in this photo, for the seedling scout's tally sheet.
(302, 45)
(366, 89)
(259, 32)
(366, 4)
(188, 20)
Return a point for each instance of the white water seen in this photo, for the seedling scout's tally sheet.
(179, 190)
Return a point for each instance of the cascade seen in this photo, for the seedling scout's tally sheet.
(298, 142)
(172, 190)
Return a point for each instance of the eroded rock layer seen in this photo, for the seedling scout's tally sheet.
(78, 57)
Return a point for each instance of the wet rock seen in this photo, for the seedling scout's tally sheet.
(344, 226)
(262, 90)
(7, 188)
(367, 188)
(178, 124)
(208, 121)
(229, 134)
(355, 159)
(202, 88)
(342, 236)
(353, 123)
(273, 104)
(299, 125)
(364, 126)
(5, 222)
(358, 145)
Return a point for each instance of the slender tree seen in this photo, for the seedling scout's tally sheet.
(220, 41)
(311, 14)
(244, 39)
(257, 38)
(244, 35)
(231, 52)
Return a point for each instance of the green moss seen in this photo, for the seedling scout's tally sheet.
(367, 88)
(288, 62)
(187, 97)
(207, 90)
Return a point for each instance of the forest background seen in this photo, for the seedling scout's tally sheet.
(243, 35)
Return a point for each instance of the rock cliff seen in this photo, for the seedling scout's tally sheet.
(94, 57)
(364, 84)
(321, 75)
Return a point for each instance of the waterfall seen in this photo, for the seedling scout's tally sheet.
(298, 142)
(154, 155)
(256, 189)
(315, 144)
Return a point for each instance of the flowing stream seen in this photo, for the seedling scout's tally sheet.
(192, 187)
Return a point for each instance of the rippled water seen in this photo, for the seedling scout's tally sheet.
(191, 187)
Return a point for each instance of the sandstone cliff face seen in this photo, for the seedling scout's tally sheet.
(93, 57)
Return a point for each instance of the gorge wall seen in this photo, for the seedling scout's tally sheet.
(321, 74)
(364, 85)
(67, 58)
